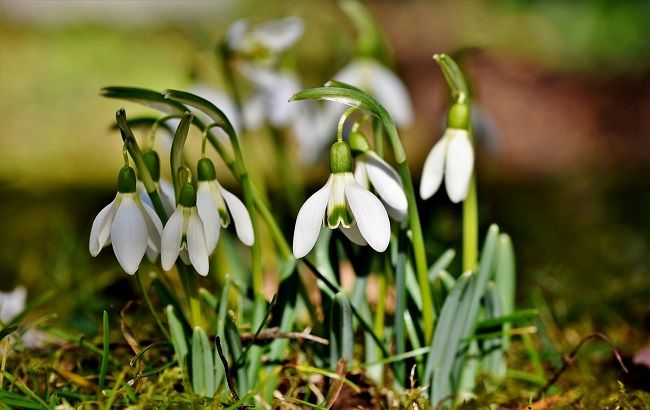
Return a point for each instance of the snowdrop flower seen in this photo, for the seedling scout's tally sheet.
(12, 304)
(131, 226)
(453, 156)
(311, 126)
(378, 81)
(216, 206)
(184, 234)
(265, 41)
(372, 170)
(165, 188)
(343, 204)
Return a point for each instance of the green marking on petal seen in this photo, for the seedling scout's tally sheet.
(340, 215)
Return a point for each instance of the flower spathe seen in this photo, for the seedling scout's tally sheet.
(266, 40)
(342, 203)
(184, 235)
(453, 157)
(216, 205)
(131, 226)
(371, 170)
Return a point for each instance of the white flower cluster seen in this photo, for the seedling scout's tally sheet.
(130, 224)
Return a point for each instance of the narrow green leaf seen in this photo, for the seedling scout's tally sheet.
(515, 317)
(167, 298)
(6, 331)
(341, 335)
(146, 97)
(454, 76)
(203, 105)
(177, 333)
(202, 364)
(208, 298)
(505, 274)
(176, 154)
(441, 264)
(24, 389)
(445, 327)
(340, 84)
(493, 361)
(447, 280)
(105, 352)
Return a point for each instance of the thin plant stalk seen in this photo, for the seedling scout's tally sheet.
(470, 228)
(162, 328)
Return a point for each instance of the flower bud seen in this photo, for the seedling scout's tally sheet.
(126, 180)
(458, 116)
(187, 196)
(340, 157)
(205, 170)
(152, 161)
(358, 143)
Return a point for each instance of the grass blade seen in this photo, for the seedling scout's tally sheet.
(105, 353)
(341, 336)
(202, 364)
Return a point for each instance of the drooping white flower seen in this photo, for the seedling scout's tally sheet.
(266, 40)
(378, 81)
(309, 122)
(342, 203)
(216, 206)
(453, 157)
(371, 170)
(12, 304)
(184, 235)
(132, 227)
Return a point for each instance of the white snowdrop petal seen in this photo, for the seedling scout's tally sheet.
(207, 208)
(278, 35)
(361, 175)
(391, 92)
(309, 221)
(196, 245)
(370, 215)
(101, 229)
(459, 166)
(167, 195)
(12, 303)
(353, 74)
(129, 235)
(433, 169)
(154, 231)
(254, 111)
(354, 234)
(236, 34)
(240, 216)
(172, 236)
(385, 180)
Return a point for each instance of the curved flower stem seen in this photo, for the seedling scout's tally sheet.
(276, 233)
(224, 54)
(419, 252)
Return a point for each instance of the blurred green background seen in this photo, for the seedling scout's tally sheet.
(564, 146)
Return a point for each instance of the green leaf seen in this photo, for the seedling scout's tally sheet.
(176, 154)
(105, 352)
(441, 264)
(493, 361)
(340, 84)
(177, 333)
(202, 364)
(341, 335)
(145, 97)
(505, 274)
(6, 331)
(203, 105)
(454, 76)
(167, 298)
